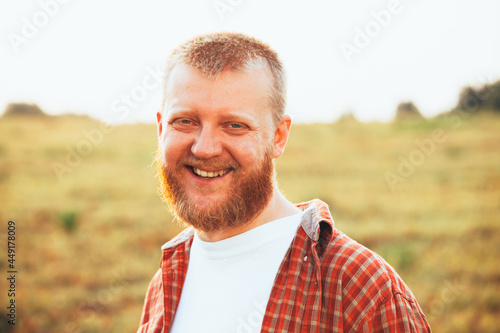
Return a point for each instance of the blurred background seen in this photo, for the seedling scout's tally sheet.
(396, 108)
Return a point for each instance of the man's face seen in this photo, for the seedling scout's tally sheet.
(216, 147)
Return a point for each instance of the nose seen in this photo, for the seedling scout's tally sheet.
(207, 144)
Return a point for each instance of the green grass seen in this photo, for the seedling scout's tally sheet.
(439, 227)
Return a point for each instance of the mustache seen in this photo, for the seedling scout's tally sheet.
(213, 163)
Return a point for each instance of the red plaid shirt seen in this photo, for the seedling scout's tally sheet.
(326, 283)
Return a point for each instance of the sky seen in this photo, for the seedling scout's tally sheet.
(105, 58)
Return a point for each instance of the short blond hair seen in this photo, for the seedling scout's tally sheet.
(212, 53)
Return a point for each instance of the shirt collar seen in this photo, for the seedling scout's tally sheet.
(316, 222)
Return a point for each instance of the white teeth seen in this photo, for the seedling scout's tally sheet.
(210, 174)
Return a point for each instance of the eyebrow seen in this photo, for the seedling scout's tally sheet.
(236, 116)
(240, 116)
(176, 112)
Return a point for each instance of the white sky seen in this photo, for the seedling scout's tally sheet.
(90, 54)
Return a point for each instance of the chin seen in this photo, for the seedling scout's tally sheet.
(206, 204)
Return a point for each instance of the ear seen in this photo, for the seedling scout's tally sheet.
(281, 136)
(159, 123)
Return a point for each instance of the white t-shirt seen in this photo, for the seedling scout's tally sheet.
(228, 283)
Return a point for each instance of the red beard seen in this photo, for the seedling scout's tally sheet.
(248, 196)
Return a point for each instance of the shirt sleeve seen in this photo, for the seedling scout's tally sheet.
(398, 314)
(152, 314)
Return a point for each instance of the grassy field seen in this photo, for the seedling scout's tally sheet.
(425, 195)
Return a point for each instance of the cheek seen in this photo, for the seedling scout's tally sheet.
(248, 153)
(174, 147)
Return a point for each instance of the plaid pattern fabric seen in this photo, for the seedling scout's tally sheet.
(326, 283)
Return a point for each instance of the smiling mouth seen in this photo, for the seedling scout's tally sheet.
(209, 174)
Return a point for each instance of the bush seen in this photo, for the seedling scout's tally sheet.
(68, 220)
(23, 109)
(407, 111)
(486, 97)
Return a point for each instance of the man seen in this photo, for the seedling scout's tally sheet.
(251, 261)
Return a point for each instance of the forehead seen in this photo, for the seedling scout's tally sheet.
(234, 90)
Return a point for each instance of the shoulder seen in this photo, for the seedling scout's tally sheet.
(152, 314)
(355, 265)
(155, 286)
(368, 284)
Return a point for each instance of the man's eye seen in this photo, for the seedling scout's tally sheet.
(183, 124)
(236, 128)
(182, 121)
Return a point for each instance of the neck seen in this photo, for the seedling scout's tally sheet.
(278, 207)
